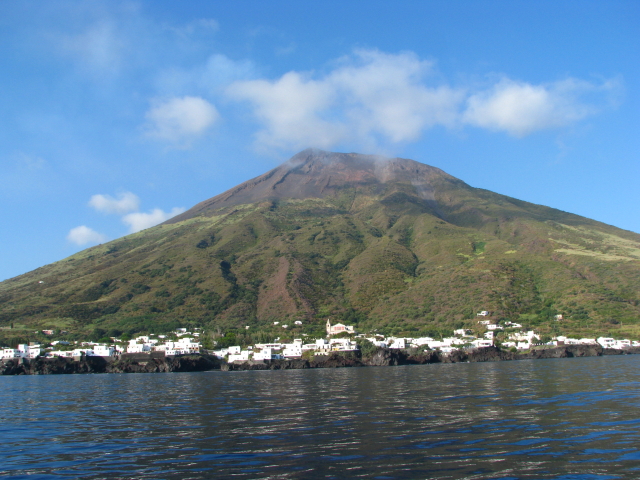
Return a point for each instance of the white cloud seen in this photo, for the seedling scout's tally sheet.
(521, 108)
(84, 235)
(373, 98)
(140, 221)
(180, 119)
(388, 94)
(126, 202)
(291, 111)
(368, 97)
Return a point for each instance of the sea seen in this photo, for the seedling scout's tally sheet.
(571, 418)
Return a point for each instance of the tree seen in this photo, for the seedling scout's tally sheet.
(367, 348)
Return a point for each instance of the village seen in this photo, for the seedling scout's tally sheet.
(339, 338)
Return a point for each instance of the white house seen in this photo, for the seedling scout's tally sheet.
(342, 345)
(243, 356)
(376, 342)
(524, 336)
(60, 353)
(221, 353)
(23, 351)
(483, 313)
(10, 353)
(394, 342)
(293, 350)
(481, 343)
(607, 342)
(266, 354)
(104, 350)
(134, 347)
(321, 346)
(79, 352)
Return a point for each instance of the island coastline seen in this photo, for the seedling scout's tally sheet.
(382, 357)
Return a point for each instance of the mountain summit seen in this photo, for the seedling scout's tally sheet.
(391, 245)
(316, 173)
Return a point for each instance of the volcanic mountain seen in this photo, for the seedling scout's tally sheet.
(385, 244)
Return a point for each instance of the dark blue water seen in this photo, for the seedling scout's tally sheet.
(561, 419)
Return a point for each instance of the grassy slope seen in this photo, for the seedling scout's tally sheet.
(390, 262)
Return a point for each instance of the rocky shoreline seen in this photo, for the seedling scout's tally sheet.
(141, 363)
(136, 363)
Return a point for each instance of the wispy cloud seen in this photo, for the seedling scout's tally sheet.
(126, 202)
(140, 221)
(32, 162)
(179, 120)
(84, 235)
(210, 25)
(208, 78)
(99, 48)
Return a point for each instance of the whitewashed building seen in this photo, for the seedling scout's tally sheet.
(242, 356)
(607, 342)
(293, 350)
(104, 350)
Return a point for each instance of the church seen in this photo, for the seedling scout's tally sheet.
(338, 328)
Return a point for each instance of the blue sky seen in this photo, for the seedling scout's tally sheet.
(116, 115)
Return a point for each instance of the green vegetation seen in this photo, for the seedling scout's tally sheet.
(382, 259)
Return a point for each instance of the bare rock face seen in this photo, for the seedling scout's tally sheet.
(384, 358)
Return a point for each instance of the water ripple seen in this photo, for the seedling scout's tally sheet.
(558, 419)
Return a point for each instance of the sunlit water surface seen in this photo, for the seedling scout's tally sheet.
(561, 419)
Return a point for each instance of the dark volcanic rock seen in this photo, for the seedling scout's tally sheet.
(149, 364)
(386, 357)
(140, 364)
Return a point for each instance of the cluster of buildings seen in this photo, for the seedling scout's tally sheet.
(183, 345)
(144, 344)
(23, 351)
(275, 351)
(183, 342)
(524, 340)
(604, 342)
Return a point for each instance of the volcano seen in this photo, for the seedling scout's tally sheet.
(385, 244)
